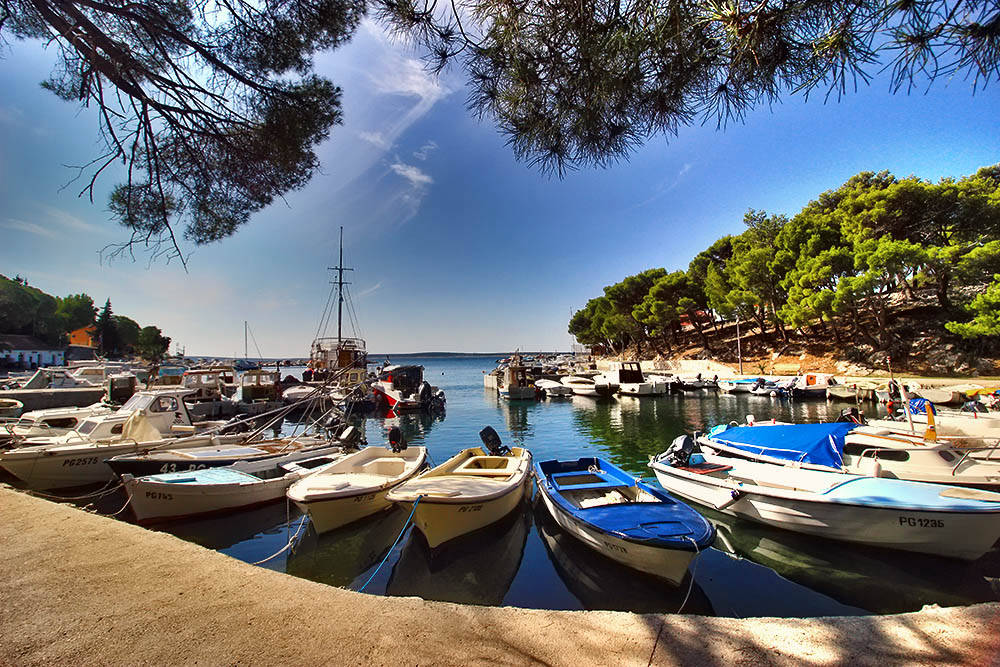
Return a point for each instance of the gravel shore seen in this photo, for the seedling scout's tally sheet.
(82, 589)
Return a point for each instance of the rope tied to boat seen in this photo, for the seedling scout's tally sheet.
(292, 538)
(398, 538)
(101, 492)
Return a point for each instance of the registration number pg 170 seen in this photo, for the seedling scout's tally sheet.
(920, 523)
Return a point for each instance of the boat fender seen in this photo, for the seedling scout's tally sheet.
(734, 496)
(396, 440)
(870, 467)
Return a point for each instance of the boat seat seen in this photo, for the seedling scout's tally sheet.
(705, 468)
(390, 467)
(605, 481)
(488, 466)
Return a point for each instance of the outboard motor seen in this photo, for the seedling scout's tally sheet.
(425, 392)
(349, 435)
(396, 440)
(492, 443)
(973, 406)
(851, 415)
(679, 452)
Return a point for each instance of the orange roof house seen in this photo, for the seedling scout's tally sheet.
(84, 336)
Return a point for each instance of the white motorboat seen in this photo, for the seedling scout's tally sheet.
(553, 389)
(471, 490)
(356, 486)
(51, 422)
(738, 386)
(912, 516)
(583, 386)
(854, 449)
(191, 493)
(971, 426)
(811, 385)
(631, 381)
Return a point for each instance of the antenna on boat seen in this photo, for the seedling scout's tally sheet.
(340, 268)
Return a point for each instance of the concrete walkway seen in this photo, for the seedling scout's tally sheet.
(81, 589)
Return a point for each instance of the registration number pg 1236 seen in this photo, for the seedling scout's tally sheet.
(916, 522)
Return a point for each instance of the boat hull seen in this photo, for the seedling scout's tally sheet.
(440, 521)
(951, 534)
(65, 467)
(669, 564)
(327, 515)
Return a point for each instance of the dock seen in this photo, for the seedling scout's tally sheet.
(84, 589)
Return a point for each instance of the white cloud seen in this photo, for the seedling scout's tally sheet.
(424, 152)
(65, 219)
(375, 139)
(369, 290)
(30, 227)
(416, 177)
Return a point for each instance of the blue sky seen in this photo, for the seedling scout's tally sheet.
(456, 246)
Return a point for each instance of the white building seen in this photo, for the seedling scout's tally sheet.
(17, 351)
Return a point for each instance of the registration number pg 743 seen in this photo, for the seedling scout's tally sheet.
(920, 523)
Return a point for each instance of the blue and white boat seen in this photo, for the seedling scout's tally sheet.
(943, 520)
(621, 517)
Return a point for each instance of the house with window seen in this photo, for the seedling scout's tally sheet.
(84, 336)
(23, 352)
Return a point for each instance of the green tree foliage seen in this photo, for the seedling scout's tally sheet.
(586, 83)
(76, 311)
(986, 311)
(107, 331)
(211, 108)
(152, 344)
(625, 298)
(29, 311)
(846, 260)
(127, 331)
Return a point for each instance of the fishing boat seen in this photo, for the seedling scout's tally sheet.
(951, 521)
(471, 490)
(970, 425)
(738, 386)
(225, 450)
(856, 449)
(553, 389)
(191, 493)
(403, 388)
(583, 386)
(621, 517)
(356, 486)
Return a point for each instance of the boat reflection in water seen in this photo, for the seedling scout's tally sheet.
(877, 580)
(477, 568)
(342, 556)
(249, 535)
(601, 583)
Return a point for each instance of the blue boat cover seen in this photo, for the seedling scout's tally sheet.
(919, 406)
(819, 444)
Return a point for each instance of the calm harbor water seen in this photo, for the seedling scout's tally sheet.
(527, 561)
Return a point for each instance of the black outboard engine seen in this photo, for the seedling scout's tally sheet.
(974, 406)
(492, 443)
(851, 415)
(679, 452)
(425, 392)
(396, 440)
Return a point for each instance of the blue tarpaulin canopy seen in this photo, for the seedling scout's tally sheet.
(819, 444)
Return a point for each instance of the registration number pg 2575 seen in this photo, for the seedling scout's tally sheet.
(85, 461)
(916, 522)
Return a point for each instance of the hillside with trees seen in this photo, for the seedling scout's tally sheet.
(29, 311)
(882, 267)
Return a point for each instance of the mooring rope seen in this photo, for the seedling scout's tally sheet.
(103, 491)
(697, 554)
(288, 546)
(389, 553)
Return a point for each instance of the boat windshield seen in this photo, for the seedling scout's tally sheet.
(136, 403)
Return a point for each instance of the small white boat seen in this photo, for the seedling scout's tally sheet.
(51, 422)
(582, 386)
(737, 386)
(356, 486)
(471, 490)
(811, 385)
(553, 389)
(629, 377)
(403, 388)
(912, 516)
(181, 495)
(983, 427)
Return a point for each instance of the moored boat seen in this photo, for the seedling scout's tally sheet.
(191, 493)
(948, 521)
(583, 386)
(629, 378)
(356, 486)
(471, 490)
(621, 517)
(553, 389)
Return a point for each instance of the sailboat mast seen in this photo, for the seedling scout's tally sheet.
(245, 355)
(340, 286)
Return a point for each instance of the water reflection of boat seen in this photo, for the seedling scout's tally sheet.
(341, 556)
(873, 579)
(600, 583)
(223, 532)
(478, 570)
